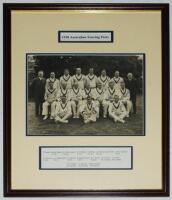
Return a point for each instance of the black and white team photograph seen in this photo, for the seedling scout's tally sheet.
(85, 94)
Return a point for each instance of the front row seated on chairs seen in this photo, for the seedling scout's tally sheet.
(89, 110)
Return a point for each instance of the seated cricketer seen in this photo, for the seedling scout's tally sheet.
(98, 95)
(117, 110)
(63, 91)
(87, 91)
(50, 100)
(124, 95)
(76, 95)
(89, 111)
(108, 96)
(63, 110)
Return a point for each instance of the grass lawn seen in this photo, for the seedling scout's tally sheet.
(134, 125)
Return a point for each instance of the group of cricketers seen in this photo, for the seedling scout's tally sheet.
(83, 96)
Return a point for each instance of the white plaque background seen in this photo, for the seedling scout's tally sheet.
(85, 157)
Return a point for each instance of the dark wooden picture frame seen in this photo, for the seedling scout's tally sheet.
(8, 191)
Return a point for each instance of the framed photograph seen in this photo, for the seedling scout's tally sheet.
(86, 98)
(111, 65)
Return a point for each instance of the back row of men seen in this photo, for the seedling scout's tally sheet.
(78, 89)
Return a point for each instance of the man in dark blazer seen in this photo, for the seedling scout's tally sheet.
(132, 85)
(38, 88)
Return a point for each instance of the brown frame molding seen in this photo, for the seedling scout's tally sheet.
(7, 8)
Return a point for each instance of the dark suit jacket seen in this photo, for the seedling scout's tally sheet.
(38, 88)
(132, 85)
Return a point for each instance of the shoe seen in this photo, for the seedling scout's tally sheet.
(51, 117)
(60, 120)
(64, 121)
(56, 120)
(104, 116)
(86, 121)
(93, 120)
(45, 117)
(115, 120)
(74, 117)
(77, 116)
(122, 121)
